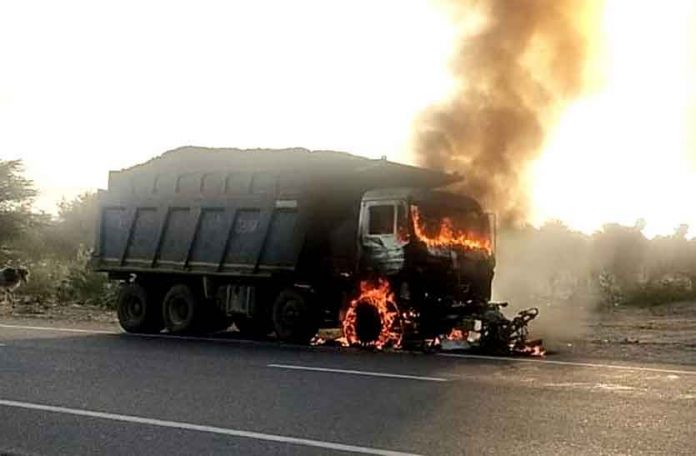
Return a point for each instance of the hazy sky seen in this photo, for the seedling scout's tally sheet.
(628, 150)
(89, 86)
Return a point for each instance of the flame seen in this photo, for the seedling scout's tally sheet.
(380, 297)
(532, 348)
(317, 340)
(448, 235)
(457, 334)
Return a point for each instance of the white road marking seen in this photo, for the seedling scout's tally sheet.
(450, 355)
(202, 428)
(571, 363)
(48, 328)
(594, 386)
(121, 333)
(356, 372)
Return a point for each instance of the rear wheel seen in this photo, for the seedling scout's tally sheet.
(181, 311)
(138, 310)
(295, 319)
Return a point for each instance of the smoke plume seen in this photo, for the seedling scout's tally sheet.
(523, 62)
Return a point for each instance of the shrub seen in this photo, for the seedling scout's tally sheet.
(46, 275)
(81, 285)
(57, 281)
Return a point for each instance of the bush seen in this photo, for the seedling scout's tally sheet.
(46, 275)
(59, 281)
(81, 285)
(555, 266)
(671, 288)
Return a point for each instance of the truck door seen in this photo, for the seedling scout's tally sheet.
(383, 235)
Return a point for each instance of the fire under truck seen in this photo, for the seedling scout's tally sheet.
(288, 241)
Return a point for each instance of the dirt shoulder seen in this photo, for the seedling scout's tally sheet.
(71, 315)
(664, 334)
(659, 334)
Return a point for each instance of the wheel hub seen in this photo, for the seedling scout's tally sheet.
(178, 311)
(290, 313)
(134, 309)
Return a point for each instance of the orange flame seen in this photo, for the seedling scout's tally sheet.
(382, 299)
(533, 348)
(448, 235)
(457, 335)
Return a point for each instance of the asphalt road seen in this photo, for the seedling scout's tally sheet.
(80, 393)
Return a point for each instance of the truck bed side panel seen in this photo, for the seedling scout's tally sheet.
(237, 238)
(179, 224)
(141, 245)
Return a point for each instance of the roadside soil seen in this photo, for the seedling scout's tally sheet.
(657, 334)
(31, 312)
(664, 333)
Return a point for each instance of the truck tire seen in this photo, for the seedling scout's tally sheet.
(294, 317)
(137, 312)
(182, 311)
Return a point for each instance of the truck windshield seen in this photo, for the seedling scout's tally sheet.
(442, 227)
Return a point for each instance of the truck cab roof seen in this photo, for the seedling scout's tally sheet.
(421, 195)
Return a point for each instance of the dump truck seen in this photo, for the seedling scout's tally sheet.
(288, 241)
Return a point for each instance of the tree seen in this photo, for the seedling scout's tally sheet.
(621, 251)
(17, 194)
(75, 227)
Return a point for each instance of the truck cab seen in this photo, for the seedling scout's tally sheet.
(435, 248)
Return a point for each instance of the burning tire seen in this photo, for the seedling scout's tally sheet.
(368, 324)
(137, 312)
(294, 317)
(373, 319)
